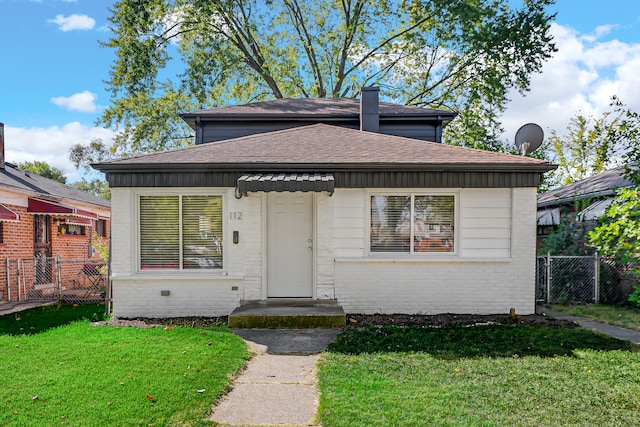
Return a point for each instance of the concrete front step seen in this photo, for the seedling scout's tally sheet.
(287, 313)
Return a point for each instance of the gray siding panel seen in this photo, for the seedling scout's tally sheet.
(230, 130)
(423, 132)
(221, 131)
(342, 179)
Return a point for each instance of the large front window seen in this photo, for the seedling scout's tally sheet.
(181, 232)
(412, 223)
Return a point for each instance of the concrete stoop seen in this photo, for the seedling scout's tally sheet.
(287, 313)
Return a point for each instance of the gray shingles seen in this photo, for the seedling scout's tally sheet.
(328, 145)
(312, 107)
(599, 185)
(13, 177)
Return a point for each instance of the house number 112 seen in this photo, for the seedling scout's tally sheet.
(235, 215)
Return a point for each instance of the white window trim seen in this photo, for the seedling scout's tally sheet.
(413, 192)
(180, 272)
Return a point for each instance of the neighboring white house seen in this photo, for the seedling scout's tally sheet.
(380, 223)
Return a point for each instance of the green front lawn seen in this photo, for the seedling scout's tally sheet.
(40, 319)
(492, 375)
(627, 317)
(83, 375)
(67, 372)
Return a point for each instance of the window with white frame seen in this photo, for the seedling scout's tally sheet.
(181, 232)
(412, 223)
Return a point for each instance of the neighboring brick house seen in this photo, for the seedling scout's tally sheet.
(41, 218)
(321, 199)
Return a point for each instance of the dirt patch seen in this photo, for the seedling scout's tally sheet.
(451, 319)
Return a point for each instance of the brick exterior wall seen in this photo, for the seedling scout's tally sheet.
(490, 274)
(492, 271)
(18, 242)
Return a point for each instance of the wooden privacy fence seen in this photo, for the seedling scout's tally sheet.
(52, 279)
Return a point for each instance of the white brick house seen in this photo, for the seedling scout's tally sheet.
(379, 223)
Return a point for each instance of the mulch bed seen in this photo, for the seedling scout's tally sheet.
(452, 319)
(358, 319)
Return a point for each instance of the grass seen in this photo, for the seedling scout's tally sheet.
(81, 375)
(627, 317)
(40, 319)
(491, 375)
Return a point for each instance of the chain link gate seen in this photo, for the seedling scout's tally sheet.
(582, 279)
(40, 277)
(54, 279)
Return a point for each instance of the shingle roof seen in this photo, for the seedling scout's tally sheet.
(599, 185)
(313, 107)
(331, 146)
(14, 178)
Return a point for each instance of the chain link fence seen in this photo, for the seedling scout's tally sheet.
(53, 279)
(582, 279)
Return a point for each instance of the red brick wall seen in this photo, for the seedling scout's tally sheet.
(18, 243)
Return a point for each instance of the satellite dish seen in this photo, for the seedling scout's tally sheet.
(529, 137)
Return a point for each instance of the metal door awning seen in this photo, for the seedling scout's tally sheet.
(595, 210)
(279, 182)
(548, 216)
(45, 207)
(8, 215)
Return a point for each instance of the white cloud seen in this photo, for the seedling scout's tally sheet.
(83, 102)
(52, 145)
(581, 78)
(74, 22)
(599, 32)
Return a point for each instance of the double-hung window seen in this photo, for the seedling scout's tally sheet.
(412, 223)
(181, 232)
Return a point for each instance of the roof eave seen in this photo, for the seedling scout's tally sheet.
(190, 118)
(576, 197)
(321, 167)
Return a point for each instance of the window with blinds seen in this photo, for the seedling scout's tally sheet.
(412, 223)
(181, 232)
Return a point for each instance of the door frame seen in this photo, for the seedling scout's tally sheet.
(265, 255)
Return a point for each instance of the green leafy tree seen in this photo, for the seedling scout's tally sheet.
(570, 237)
(82, 156)
(180, 55)
(592, 145)
(628, 132)
(101, 245)
(44, 169)
(95, 186)
(618, 235)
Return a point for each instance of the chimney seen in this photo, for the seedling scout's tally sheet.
(369, 112)
(1, 145)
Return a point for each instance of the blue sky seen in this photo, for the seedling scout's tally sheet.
(52, 71)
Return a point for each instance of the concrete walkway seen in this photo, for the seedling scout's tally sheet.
(614, 331)
(8, 307)
(278, 387)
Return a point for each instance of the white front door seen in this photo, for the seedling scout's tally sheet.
(289, 245)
